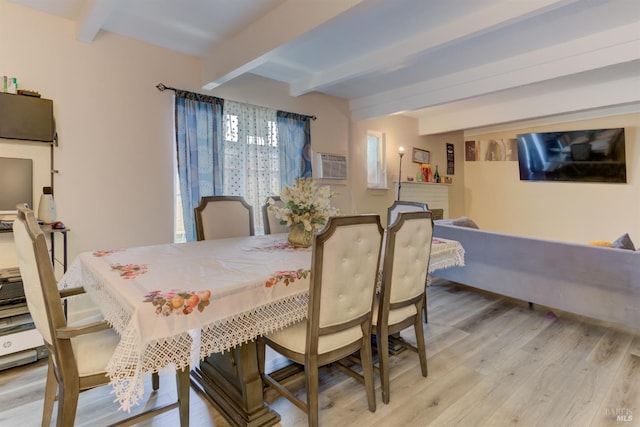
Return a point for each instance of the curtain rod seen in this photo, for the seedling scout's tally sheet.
(162, 87)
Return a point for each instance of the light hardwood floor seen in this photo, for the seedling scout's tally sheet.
(492, 361)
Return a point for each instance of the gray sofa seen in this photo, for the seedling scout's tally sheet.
(593, 281)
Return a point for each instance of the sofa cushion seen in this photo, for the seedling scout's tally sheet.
(463, 221)
(624, 242)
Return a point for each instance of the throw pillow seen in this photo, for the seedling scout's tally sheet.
(463, 221)
(624, 242)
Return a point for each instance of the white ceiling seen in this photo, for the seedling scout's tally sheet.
(415, 57)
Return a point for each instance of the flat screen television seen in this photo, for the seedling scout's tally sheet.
(26, 117)
(16, 183)
(585, 155)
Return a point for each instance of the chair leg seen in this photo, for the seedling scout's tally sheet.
(182, 382)
(67, 404)
(382, 338)
(366, 357)
(49, 394)
(311, 374)
(424, 307)
(155, 381)
(422, 352)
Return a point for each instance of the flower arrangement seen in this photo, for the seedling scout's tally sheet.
(305, 203)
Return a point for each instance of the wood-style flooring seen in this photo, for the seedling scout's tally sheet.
(492, 361)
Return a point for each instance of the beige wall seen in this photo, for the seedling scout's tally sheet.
(569, 211)
(115, 186)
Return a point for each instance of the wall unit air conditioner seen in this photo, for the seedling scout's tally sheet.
(331, 166)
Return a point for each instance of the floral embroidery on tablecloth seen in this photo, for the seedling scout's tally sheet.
(129, 271)
(280, 246)
(177, 301)
(106, 252)
(287, 277)
(436, 241)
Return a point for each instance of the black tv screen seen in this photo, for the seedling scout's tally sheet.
(16, 178)
(26, 117)
(584, 155)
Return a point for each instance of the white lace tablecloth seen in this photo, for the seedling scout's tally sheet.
(445, 253)
(175, 304)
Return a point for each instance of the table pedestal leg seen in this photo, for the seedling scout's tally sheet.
(231, 382)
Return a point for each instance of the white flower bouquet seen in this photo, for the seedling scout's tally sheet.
(305, 203)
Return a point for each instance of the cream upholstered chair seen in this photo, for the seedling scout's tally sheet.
(342, 285)
(392, 214)
(271, 223)
(404, 271)
(78, 353)
(220, 217)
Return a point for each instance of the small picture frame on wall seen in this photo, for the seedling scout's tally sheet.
(421, 156)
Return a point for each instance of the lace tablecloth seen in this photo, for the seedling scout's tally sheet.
(445, 253)
(175, 304)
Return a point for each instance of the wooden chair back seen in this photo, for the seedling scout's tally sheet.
(271, 223)
(403, 206)
(345, 265)
(221, 217)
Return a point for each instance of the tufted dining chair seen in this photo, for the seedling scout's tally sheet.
(345, 257)
(220, 217)
(392, 214)
(399, 304)
(403, 206)
(78, 352)
(271, 223)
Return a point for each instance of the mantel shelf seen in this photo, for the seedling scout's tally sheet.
(422, 183)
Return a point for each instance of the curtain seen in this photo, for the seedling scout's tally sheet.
(294, 137)
(198, 124)
(251, 155)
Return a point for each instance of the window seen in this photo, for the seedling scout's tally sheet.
(245, 150)
(376, 160)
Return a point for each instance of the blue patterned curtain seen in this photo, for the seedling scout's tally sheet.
(294, 140)
(198, 125)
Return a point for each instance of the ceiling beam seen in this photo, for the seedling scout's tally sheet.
(256, 43)
(473, 24)
(604, 49)
(93, 15)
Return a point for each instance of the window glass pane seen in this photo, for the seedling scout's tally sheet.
(376, 160)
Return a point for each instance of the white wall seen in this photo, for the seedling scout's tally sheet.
(115, 186)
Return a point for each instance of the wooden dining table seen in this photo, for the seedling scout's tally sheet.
(201, 305)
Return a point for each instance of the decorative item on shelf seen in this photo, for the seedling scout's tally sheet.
(427, 175)
(9, 84)
(436, 175)
(47, 207)
(401, 154)
(306, 208)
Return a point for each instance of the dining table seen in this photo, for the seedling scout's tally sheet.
(201, 306)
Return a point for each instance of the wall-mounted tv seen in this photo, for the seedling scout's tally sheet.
(16, 183)
(584, 155)
(26, 117)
